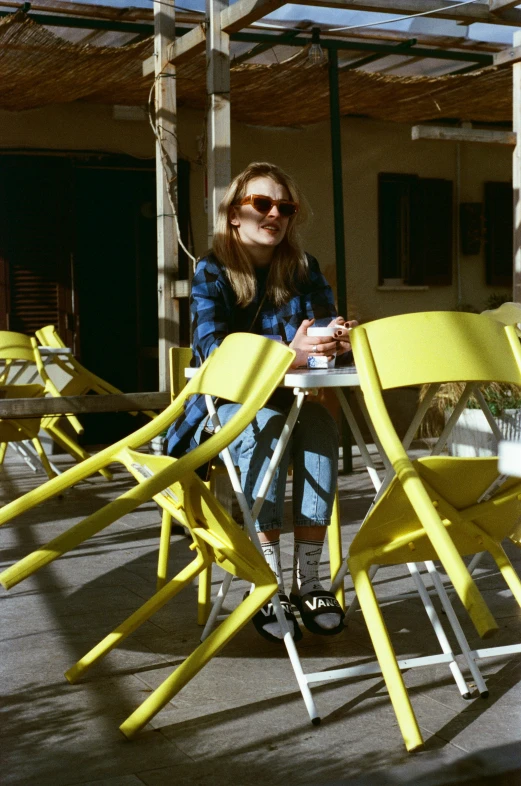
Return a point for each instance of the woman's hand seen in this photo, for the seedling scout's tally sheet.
(343, 344)
(305, 345)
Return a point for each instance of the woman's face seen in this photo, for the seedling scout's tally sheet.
(261, 233)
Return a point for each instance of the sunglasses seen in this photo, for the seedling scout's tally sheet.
(263, 204)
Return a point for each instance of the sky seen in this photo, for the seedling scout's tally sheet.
(340, 18)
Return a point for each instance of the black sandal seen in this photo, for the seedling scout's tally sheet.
(266, 616)
(317, 602)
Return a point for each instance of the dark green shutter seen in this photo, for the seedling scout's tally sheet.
(499, 234)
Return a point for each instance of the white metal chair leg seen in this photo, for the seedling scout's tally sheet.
(217, 606)
(30, 449)
(357, 434)
(339, 578)
(30, 456)
(250, 518)
(438, 630)
(19, 448)
(456, 627)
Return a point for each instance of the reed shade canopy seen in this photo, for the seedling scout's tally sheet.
(38, 68)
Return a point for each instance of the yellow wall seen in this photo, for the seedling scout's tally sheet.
(368, 148)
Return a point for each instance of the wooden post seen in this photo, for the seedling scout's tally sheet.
(516, 174)
(166, 181)
(218, 89)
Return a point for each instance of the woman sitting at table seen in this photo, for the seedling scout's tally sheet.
(257, 279)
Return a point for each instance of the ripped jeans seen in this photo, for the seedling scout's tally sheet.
(312, 450)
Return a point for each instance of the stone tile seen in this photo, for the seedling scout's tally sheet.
(488, 767)
(56, 734)
(473, 730)
(123, 780)
(241, 719)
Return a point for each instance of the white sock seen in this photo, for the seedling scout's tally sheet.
(271, 553)
(306, 562)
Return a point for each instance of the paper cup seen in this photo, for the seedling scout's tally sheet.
(319, 361)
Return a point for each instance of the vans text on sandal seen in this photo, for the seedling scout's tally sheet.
(266, 616)
(317, 602)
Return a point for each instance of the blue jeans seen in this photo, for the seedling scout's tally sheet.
(313, 451)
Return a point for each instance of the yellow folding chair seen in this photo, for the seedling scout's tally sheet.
(245, 369)
(20, 354)
(436, 507)
(81, 380)
(216, 539)
(508, 314)
(25, 430)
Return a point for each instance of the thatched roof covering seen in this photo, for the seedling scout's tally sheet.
(38, 68)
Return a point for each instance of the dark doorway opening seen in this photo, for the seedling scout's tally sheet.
(78, 250)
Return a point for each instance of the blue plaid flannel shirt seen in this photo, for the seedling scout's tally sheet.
(215, 314)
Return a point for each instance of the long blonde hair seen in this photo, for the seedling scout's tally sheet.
(289, 261)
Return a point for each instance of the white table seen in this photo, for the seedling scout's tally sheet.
(308, 381)
(48, 354)
(510, 458)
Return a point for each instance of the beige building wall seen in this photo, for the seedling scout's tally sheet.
(368, 148)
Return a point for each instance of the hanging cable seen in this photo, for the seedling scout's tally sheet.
(401, 18)
(164, 162)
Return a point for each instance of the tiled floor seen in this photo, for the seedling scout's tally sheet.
(241, 720)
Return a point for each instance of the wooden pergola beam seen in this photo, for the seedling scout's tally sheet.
(501, 5)
(510, 55)
(449, 134)
(181, 50)
(188, 45)
(244, 12)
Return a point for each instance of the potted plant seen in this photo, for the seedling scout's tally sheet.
(472, 434)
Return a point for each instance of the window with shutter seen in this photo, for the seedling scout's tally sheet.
(415, 222)
(499, 233)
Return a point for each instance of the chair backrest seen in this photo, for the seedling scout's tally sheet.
(16, 346)
(83, 380)
(246, 369)
(429, 347)
(437, 346)
(507, 314)
(48, 337)
(180, 358)
(246, 363)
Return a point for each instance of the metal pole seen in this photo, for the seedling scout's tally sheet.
(338, 197)
(338, 215)
(516, 175)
